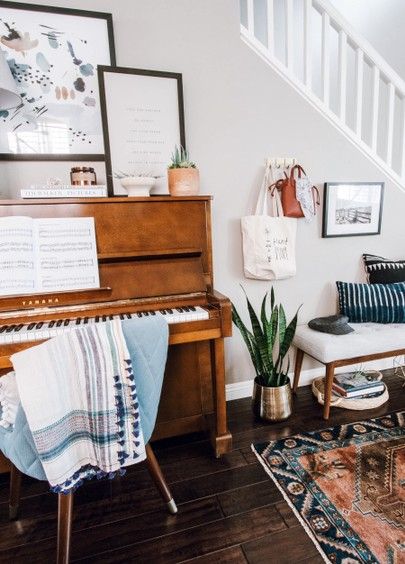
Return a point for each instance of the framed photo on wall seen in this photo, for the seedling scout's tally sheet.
(143, 121)
(352, 208)
(53, 54)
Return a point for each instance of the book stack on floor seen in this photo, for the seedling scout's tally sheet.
(360, 384)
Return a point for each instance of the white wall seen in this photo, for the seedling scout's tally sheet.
(237, 112)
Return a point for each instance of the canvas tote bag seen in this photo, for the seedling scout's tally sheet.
(268, 241)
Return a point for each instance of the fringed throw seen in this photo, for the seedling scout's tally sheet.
(78, 392)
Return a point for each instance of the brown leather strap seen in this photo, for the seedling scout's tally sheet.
(318, 198)
(276, 186)
(299, 169)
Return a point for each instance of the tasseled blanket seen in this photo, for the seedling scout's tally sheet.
(79, 395)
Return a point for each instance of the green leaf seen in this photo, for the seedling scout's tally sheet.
(246, 335)
(289, 335)
(272, 298)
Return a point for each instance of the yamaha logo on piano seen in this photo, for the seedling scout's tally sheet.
(43, 301)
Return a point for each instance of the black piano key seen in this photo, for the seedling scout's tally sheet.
(146, 313)
(185, 308)
(104, 318)
(39, 325)
(139, 314)
(2, 329)
(169, 311)
(86, 320)
(129, 316)
(122, 316)
(97, 318)
(66, 322)
(78, 321)
(153, 312)
(163, 311)
(51, 324)
(179, 309)
(31, 326)
(10, 328)
(111, 317)
(192, 308)
(19, 327)
(59, 322)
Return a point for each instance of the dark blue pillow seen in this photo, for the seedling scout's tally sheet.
(377, 303)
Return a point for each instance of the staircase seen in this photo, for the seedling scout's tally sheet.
(317, 51)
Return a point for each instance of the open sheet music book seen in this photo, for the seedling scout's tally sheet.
(47, 255)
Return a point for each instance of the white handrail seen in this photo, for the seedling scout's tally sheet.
(379, 146)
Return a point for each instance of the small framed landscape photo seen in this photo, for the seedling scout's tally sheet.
(352, 208)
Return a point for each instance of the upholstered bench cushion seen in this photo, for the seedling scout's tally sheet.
(367, 338)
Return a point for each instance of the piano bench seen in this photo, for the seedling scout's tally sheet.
(369, 341)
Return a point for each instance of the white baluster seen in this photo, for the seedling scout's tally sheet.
(289, 34)
(325, 58)
(307, 43)
(342, 74)
(251, 17)
(270, 26)
(403, 140)
(359, 90)
(376, 100)
(390, 126)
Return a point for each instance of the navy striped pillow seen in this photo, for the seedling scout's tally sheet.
(377, 303)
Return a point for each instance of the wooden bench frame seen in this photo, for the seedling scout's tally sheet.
(330, 370)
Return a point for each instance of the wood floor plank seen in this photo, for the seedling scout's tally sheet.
(250, 497)
(233, 555)
(199, 540)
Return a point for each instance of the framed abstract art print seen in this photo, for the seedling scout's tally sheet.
(53, 54)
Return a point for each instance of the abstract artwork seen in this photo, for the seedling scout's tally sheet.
(53, 54)
(352, 208)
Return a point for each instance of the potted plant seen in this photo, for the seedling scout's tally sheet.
(183, 175)
(136, 183)
(268, 344)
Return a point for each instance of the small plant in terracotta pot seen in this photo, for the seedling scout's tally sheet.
(183, 175)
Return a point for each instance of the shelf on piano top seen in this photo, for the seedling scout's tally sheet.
(51, 299)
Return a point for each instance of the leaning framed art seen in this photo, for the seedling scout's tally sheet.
(53, 54)
(143, 122)
(352, 208)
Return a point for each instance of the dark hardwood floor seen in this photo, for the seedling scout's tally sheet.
(229, 509)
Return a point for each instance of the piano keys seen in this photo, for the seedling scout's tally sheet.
(155, 258)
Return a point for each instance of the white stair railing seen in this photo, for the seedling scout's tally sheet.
(372, 115)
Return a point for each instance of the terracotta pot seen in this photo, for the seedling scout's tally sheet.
(183, 181)
(272, 404)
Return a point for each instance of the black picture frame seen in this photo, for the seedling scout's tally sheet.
(102, 70)
(68, 12)
(355, 216)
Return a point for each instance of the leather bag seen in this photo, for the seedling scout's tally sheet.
(288, 188)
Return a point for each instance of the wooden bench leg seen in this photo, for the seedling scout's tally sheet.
(15, 489)
(297, 370)
(159, 480)
(65, 513)
(330, 372)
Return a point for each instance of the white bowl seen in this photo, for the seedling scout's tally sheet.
(138, 185)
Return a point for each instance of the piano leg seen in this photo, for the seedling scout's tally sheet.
(221, 437)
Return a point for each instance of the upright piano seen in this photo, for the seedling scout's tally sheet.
(155, 258)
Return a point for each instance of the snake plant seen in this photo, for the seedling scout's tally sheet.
(268, 341)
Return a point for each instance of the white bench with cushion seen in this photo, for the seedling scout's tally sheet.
(369, 341)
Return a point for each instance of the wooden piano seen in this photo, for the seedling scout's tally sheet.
(155, 258)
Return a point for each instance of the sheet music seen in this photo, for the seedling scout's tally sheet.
(47, 255)
(66, 254)
(17, 261)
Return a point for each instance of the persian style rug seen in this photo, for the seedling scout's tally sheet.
(346, 485)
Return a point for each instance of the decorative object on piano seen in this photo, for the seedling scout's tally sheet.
(136, 184)
(268, 241)
(141, 130)
(299, 197)
(9, 96)
(268, 344)
(53, 55)
(47, 255)
(352, 208)
(183, 174)
(83, 176)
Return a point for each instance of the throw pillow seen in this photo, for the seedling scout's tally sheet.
(377, 303)
(384, 271)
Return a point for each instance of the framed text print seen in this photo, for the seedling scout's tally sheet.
(352, 208)
(143, 119)
(53, 54)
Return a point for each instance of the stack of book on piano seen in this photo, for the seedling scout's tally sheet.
(64, 191)
(360, 384)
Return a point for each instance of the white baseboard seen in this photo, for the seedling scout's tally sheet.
(238, 390)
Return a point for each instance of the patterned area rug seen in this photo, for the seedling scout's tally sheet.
(346, 485)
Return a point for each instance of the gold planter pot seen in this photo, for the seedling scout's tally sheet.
(272, 404)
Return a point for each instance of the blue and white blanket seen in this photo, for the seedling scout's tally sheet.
(79, 395)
